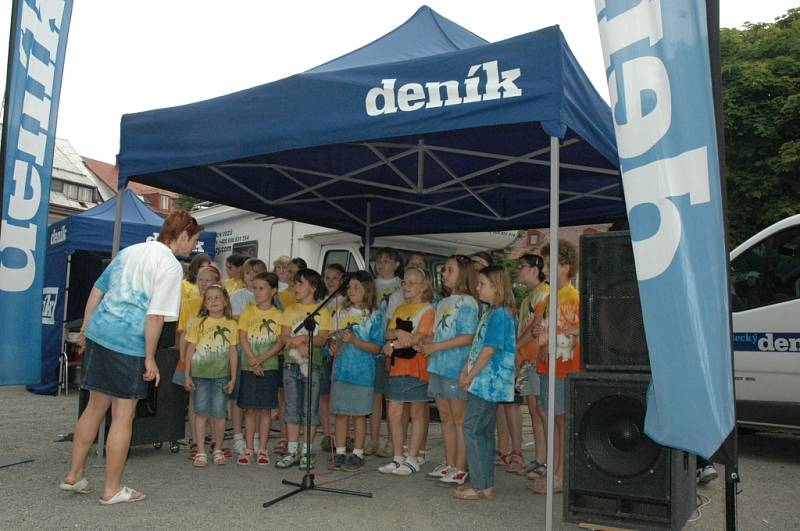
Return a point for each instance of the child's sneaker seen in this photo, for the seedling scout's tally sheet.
(406, 468)
(289, 459)
(421, 459)
(441, 470)
(338, 461)
(263, 458)
(454, 477)
(238, 444)
(353, 463)
(391, 466)
(306, 463)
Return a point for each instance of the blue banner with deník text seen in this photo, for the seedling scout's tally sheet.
(36, 61)
(659, 76)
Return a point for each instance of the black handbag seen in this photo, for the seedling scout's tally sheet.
(405, 353)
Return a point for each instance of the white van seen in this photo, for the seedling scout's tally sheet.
(267, 237)
(765, 273)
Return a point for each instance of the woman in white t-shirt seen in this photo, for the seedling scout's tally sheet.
(125, 312)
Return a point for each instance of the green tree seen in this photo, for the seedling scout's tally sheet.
(187, 202)
(761, 97)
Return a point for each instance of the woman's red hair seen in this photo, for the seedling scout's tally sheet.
(178, 221)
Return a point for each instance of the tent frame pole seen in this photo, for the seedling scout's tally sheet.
(117, 223)
(64, 355)
(367, 236)
(551, 332)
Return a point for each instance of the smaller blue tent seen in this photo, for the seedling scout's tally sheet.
(76, 249)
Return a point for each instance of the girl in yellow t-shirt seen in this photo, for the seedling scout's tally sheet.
(211, 368)
(259, 337)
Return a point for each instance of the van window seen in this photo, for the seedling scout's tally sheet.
(768, 272)
(343, 257)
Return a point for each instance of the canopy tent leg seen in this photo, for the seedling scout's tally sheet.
(552, 312)
(367, 235)
(117, 223)
(64, 355)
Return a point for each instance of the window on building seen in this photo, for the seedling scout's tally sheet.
(71, 190)
(57, 185)
(164, 202)
(85, 194)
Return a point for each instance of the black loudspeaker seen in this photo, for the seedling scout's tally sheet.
(612, 329)
(616, 475)
(161, 415)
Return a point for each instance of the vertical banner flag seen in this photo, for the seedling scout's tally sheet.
(659, 79)
(35, 63)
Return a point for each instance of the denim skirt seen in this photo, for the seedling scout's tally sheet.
(258, 392)
(349, 399)
(112, 373)
(407, 389)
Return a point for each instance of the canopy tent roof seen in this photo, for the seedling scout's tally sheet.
(92, 230)
(455, 138)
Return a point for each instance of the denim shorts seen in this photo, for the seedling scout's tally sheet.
(407, 389)
(532, 385)
(350, 399)
(210, 397)
(112, 373)
(442, 387)
(559, 392)
(258, 392)
(381, 375)
(295, 391)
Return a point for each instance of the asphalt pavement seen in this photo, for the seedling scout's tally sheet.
(182, 497)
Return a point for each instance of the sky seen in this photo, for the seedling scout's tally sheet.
(127, 56)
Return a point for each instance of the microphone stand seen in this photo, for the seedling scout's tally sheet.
(307, 482)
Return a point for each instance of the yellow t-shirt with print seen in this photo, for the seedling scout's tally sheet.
(263, 329)
(188, 290)
(212, 338)
(295, 314)
(287, 298)
(233, 284)
(189, 309)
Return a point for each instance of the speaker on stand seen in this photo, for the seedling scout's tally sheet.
(616, 475)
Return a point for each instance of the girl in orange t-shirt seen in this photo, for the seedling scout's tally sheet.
(410, 326)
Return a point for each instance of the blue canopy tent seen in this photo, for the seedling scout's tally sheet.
(437, 131)
(427, 129)
(77, 246)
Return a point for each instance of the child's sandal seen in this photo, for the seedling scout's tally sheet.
(500, 458)
(245, 457)
(200, 460)
(282, 447)
(192, 452)
(515, 463)
(535, 470)
(263, 458)
(219, 457)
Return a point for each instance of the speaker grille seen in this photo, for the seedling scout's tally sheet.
(612, 331)
(617, 475)
(614, 439)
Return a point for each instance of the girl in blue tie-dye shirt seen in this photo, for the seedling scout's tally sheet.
(456, 322)
(355, 344)
(488, 377)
